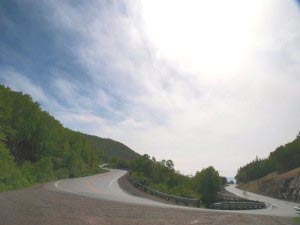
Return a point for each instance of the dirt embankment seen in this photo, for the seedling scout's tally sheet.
(43, 204)
(277, 185)
(128, 187)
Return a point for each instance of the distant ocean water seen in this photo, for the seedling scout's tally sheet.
(231, 179)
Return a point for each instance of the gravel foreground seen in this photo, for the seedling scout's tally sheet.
(44, 205)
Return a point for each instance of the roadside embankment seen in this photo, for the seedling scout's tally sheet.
(284, 186)
(128, 187)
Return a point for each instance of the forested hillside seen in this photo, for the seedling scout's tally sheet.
(35, 147)
(284, 158)
(110, 148)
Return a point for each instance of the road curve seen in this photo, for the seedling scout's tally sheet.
(275, 206)
(105, 186)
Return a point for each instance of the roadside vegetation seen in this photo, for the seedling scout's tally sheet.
(284, 158)
(36, 148)
(161, 176)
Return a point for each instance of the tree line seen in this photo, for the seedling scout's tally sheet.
(284, 158)
(161, 176)
(35, 148)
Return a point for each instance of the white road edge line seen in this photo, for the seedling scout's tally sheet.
(111, 183)
(56, 184)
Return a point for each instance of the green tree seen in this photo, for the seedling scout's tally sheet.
(223, 181)
(44, 169)
(28, 171)
(170, 164)
(10, 176)
(284, 158)
(40, 148)
(208, 183)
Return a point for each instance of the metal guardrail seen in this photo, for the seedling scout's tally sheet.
(227, 203)
(222, 198)
(171, 198)
(238, 205)
(297, 210)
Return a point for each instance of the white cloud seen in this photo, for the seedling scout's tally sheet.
(180, 102)
(20, 82)
(219, 98)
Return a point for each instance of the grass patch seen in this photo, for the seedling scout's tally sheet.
(296, 220)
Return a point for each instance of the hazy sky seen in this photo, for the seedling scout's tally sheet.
(200, 82)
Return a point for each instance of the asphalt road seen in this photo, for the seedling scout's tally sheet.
(275, 206)
(105, 186)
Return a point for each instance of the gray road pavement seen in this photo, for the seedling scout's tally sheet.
(105, 186)
(275, 206)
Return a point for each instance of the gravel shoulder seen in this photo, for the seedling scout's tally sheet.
(43, 204)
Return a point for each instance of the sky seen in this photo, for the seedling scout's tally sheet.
(199, 82)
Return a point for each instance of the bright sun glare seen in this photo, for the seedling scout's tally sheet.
(203, 36)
